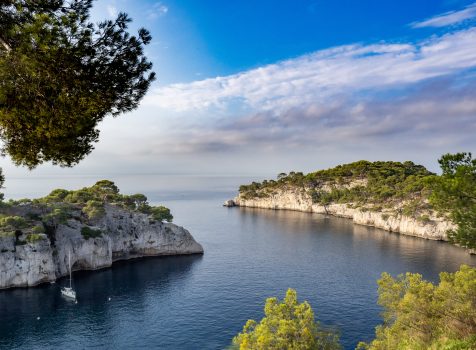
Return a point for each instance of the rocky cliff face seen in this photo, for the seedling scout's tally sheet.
(296, 199)
(124, 235)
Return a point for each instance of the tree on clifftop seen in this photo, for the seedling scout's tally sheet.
(454, 192)
(60, 75)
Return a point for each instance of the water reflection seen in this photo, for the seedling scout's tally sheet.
(139, 282)
(196, 302)
(359, 239)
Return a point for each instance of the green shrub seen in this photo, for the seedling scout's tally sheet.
(13, 222)
(94, 209)
(7, 233)
(59, 214)
(421, 315)
(286, 325)
(424, 218)
(38, 229)
(87, 232)
(34, 237)
(57, 195)
(161, 213)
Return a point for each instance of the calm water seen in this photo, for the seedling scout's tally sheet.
(200, 302)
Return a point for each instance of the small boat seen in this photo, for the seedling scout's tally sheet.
(69, 292)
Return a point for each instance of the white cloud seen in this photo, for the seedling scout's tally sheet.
(112, 11)
(448, 18)
(319, 76)
(157, 10)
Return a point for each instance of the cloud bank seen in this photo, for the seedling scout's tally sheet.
(448, 18)
(321, 75)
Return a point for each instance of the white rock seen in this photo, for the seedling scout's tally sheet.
(300, 200)
(125, 235)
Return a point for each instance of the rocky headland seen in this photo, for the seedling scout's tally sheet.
(387, 195)
(38, 236)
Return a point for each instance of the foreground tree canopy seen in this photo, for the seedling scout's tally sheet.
(60, 75)
(454, 193)
(417, 315)
(286, 325)
(420, 315)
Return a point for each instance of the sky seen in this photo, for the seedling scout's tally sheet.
(258, 87)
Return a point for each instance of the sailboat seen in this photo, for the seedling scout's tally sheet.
(69, 292)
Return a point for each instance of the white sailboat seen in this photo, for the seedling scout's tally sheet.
(69, 292)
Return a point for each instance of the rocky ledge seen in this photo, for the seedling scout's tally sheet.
(433, 227)
(120, 234)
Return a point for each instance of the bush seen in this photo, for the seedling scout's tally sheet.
(59, 214)
(38, 229)
(57, 195)
(161, 213)
(34, 237)
(420, 315)
(424, 218)
(87, 232)
(94, 209)
(13, 222)
(286, 325)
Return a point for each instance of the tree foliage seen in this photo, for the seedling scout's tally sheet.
(161, 213)
(454, 192)
(286, 325)
(420, 315)
(60, 75)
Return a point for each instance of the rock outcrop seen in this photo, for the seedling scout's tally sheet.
(433, 228)
(122, 234)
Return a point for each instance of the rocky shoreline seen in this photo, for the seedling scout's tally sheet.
(123, 235)
(435, 228)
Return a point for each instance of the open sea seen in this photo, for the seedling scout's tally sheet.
(201, 302)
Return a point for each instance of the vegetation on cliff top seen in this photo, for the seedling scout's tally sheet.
(417, 315)
(28, 219)
(360, 183)
(392, 188)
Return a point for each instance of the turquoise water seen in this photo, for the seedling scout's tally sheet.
(200, 302)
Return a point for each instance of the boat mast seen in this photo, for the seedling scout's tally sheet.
(69, 263)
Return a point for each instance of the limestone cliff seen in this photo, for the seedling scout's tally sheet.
(122, 234)
(290, 198)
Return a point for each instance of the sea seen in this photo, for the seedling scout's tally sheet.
(203, 301)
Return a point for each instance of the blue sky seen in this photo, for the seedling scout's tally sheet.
(209, 38)
(260, 87)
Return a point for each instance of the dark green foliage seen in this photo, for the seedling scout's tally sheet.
(58, 214)
(55, 196)
(12, 223)
(161, 213)
(94, 209)
(454, 192)
(60, 75)
(88, 232)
